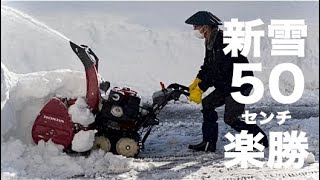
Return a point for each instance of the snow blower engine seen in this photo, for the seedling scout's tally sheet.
(123, 121)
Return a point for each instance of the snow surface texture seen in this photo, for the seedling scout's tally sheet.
(31, 76)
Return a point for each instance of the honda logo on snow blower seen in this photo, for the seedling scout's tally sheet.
(53, 119)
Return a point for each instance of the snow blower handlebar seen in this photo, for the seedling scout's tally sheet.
(181, 88)
(172, 92)
(160, 100)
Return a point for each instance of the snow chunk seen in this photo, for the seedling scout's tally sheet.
(83, 140)
(80, 113)
(8, 176)
(310, 158)
(120, 164)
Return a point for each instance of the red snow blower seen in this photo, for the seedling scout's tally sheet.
(120, 121)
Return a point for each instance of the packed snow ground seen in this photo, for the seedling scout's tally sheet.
(29, 80)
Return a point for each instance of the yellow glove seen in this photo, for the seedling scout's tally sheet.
(196, 95)
(194, 84)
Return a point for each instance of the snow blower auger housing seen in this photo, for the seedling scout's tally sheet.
(54, 122)
(120, 121)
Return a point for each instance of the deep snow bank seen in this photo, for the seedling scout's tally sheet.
(8, 118)
(23, 95)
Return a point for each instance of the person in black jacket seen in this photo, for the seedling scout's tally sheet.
(217, 71)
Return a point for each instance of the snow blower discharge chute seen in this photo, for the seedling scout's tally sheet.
(123, 122)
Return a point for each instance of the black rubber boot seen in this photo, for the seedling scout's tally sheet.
(252, 129)
(204, 146)
(209, 131)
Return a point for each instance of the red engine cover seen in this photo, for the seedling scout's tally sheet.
(53, 122)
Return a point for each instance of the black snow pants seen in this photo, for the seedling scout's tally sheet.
(232, 114)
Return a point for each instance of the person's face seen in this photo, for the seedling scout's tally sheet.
(201, 29)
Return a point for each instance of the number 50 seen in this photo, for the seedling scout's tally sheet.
(258, 87)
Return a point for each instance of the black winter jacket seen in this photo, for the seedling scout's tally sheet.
(217, 68)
